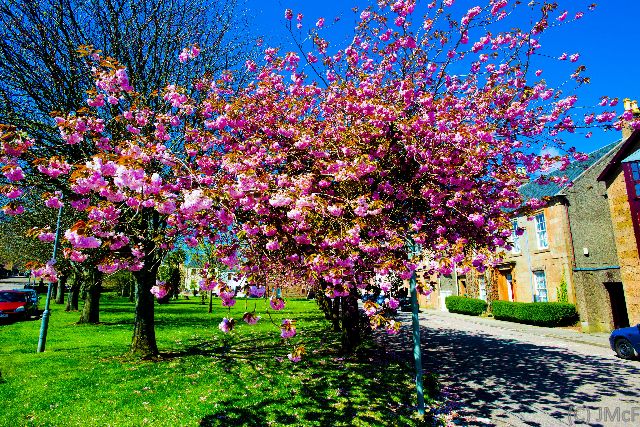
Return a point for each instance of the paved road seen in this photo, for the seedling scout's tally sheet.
(13, 283)
(507, 374)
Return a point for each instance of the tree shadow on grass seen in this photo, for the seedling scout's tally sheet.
(325, 389)
(512, 380)
(334, 391)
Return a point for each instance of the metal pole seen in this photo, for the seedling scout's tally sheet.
(44, 325)
(417, 351)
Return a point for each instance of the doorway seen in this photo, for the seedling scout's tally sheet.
(618, 304)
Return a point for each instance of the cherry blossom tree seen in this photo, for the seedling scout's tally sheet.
(418, 132)
(334, 165)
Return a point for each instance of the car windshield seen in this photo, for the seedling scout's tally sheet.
(12, 297)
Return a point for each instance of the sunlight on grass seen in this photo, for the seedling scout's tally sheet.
(204, 377)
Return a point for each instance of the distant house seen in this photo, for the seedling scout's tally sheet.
(547, 261)
(621, 178)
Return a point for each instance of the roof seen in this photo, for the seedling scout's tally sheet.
(572, 172)
(622, 153)
(635, 157)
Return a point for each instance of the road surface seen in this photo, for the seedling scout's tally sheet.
(506, 374)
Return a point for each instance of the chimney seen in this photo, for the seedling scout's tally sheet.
(523, 176)
(632, 106)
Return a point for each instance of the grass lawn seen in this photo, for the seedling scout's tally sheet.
(204, 377)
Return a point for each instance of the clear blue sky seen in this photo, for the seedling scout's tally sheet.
(607, 40)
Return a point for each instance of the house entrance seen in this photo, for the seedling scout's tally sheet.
(618, 305)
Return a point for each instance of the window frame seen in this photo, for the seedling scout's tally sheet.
(515, 239)
(542, 235)
(537, 275)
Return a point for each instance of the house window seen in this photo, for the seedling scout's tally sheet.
(541, 286)
(635, 175)
(541, 231)
(482, 288)
(515, 240)
(509, 279)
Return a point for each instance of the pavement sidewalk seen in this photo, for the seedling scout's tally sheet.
(597, 338)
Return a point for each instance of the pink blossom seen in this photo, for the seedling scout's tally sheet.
(76, 256)
(257, 291)
(392, 327)
(79, 241)
(226, 325)
(276, 303)
(476, 219)
(288, 14)
(159, 290)
(392, 303)
(14, 173)
(13, 193)
(250, 318)
(288, 328)
(47, 273)
(46, 237)
(12, 210)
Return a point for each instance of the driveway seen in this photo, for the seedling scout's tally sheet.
(507, 374)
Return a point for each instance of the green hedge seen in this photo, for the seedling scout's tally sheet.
(535, 313)
(464, 305)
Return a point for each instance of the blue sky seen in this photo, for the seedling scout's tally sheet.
(605, 39)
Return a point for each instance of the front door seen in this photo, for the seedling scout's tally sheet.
(618, 305)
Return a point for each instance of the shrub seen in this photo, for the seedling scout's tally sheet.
(535, 313)
(464, 305)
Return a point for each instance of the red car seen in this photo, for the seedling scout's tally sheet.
(16, 305)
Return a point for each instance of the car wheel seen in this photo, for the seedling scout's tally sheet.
(624, 349)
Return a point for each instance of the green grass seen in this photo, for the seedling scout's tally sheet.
(203, 378)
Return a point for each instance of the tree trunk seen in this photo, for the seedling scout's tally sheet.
(335, 313)
(74, 294)
(350, 323)
(62, 282)
(93, 289)
(132, 290)
(143, 342)
(210, 301)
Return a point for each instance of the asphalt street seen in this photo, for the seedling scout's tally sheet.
(507, 374)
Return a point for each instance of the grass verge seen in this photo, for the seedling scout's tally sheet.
(203, 378)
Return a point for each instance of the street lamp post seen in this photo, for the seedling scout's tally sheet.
(44, 325)
(413, 253)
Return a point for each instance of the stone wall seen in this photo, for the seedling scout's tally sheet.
(627, 248)
(594, 246)
(556, 261)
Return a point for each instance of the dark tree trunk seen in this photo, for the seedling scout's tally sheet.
(350, 322)
(210, 301)
(74, 296)
(132, 290)
(93, 289)
(143, 342)
(62, 282)
(335, 313)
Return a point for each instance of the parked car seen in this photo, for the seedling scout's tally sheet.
(626, 342)
(34, 295)
(16, 305)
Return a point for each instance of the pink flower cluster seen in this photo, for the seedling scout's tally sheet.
(288, 328)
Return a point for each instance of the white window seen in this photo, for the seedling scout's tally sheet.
(509, 278)
(541, 231)
(482, 288)
(541, 286)
(515, 239)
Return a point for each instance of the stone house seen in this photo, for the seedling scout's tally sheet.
(542, 264)
(621, 178)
